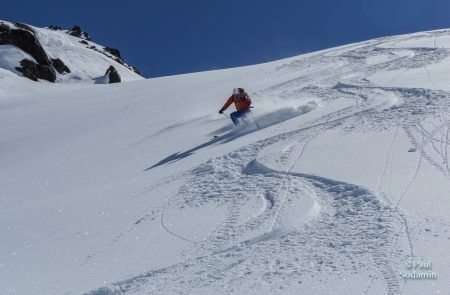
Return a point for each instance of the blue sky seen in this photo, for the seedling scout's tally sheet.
(175, 36)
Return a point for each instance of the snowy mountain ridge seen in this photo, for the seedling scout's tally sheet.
(64, 56)
(122, 189)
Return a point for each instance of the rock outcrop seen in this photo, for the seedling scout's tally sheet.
(60, 66)
(113, 51)
(35, 71)
(23, 37)
(113, 75)
(77, 32)
(44, 65)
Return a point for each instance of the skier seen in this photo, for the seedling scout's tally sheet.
(242, 101)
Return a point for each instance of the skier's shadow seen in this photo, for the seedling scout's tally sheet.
(227, 137)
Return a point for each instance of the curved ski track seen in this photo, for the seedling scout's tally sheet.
(353, 224)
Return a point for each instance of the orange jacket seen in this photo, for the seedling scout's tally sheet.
(242, 102)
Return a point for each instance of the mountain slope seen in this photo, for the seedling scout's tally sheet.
(86, 61)
(121, 189)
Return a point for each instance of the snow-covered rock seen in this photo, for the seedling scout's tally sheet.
(67, 56)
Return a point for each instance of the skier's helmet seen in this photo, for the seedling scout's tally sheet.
(236, 91)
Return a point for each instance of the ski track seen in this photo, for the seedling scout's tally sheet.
(353, 226)
(422, 149)
(354, 214)
(387, 164)
(446, 148)
(430, 137)
(152, 214)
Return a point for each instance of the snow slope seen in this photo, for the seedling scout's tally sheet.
(121, 189)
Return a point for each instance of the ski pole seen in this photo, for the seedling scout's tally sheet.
(225, 115)
(257, 125)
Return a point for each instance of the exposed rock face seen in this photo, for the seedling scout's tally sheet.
(28, 69)
(3, 27)
(41, 66)
(136, 70)
(24, 38)
(77, 32)
(55, 28)
(34, 71)
(113, 75)
(113, 51)
(60, 66)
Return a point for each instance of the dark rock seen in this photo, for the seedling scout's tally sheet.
(24, 27)
(77, 32)
(136, 70)
(4, 27)
(60, 66)
(55, 28)
(35, 71)
(46, 73)
(118, 60)
(25, 39)
(113, 51)
(28, 69)
(108, 51)
(113, 75)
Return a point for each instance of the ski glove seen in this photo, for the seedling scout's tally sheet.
(221, 111)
